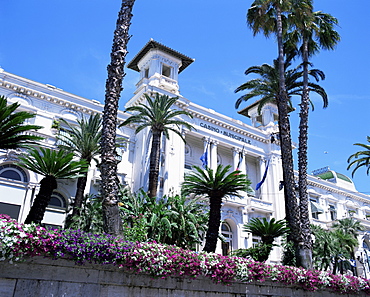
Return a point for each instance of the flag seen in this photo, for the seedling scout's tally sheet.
(240, 159)
(204, 158)
(263, 178)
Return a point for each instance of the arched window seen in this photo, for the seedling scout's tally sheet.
(14, 172)
(57, 200)
(228, 237)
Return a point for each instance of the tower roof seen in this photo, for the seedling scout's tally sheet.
(185, 60)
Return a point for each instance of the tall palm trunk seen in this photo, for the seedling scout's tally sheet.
(214, 222)
(154, 163)
(305, 249)
(109, 187)
(47, 185)
(291, 206)
(81, 186)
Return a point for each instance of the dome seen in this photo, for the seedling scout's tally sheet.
(335, 177)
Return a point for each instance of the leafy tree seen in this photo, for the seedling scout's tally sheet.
(259, 253)
(324, 248)
(345, 244)
(360, 158)
(161, 119)
(334, 248)
(90, 218)
(269, 17)
(349, 226)
(13, 130)
(267, 230)
(84, 141)
(52, 165)
(113, 88)
(172, 220)
(311, 31)
(215, 185)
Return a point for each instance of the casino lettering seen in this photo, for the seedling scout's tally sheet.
(225, 133)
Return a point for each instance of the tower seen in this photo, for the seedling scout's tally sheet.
(159, 67)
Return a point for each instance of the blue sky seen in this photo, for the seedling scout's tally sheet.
(67, 44)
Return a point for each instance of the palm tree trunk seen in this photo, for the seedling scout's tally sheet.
(109, 187)
(81, 186)
(305, 248)
(291, 207)
(154, 164)
(213, 224)
(47, 185)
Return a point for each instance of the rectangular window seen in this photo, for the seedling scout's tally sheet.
(255, 240)
(333, 212)
(316, 208)
(166, 70)
(146, 73)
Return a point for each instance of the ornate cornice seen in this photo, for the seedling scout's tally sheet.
(226, 126)
(338, 191)
(22, 91)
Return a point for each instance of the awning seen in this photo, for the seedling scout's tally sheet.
(316, 208)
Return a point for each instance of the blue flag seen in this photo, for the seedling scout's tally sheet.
(204, 159)
(263, 178)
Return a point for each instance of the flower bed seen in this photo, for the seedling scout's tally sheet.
(19, 242)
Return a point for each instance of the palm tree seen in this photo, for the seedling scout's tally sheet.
(158, 116)
(84, 141)
(312, 30)
(215, 185)
(351, 228)
(267, 87)
(174, 220)
(113, 88)
(267, 230)
(360, 158)
(345, 244)
(52, 165)
(190, 218)
(324, 248)
(13, 131)
(268, 17)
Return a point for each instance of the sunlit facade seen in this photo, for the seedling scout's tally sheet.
(250, 148)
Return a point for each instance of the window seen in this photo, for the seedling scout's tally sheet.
(146, 73)
(228, 236)
(333, 212)
(11, 210)
(259, 120)
(166, 70)
(316, 208)
(351, 212)
(57, 200)
(10, 171)
(255, 241)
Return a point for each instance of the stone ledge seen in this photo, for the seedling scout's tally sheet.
(45, 277)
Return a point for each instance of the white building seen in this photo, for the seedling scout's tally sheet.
(333, 195)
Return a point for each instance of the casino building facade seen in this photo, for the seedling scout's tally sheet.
(250, 148)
